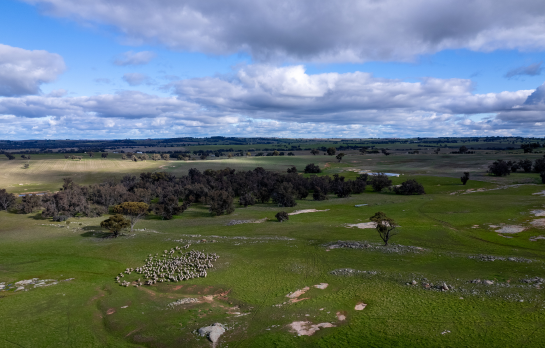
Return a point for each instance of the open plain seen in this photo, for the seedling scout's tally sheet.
(466, 268)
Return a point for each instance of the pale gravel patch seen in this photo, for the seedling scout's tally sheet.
(538, 223)
(306, 328)
(341, 316)
(321, 286)
(538, 212)
(306, 211)
(511, 229)
(363, 225)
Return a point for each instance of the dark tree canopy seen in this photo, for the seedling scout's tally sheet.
(282, 216)
(409, 187)
(380, 181)
(221, 202)
(340, 156)
(311, 168)
(314, 151)
(283, 195)
(30, 203)
(465, 178)
(292, 170)
(7, 200)
(526, 165)
(539, 165)
(133, 211)
(331, 151)
(499, 168)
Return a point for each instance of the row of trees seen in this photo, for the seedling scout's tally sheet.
(503, 168)
(167, 195)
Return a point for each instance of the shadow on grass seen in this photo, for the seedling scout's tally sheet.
(100, 234)
(37, 216)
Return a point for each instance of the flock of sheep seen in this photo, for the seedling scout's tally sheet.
(169, 267)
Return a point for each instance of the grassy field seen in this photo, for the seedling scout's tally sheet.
(260, 264)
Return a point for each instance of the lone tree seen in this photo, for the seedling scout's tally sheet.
(314, 151)
(282, 216)
(410, 187)
(542, 175)
(340, 156)
(115, 224)
(104, 154)
(312, 168)
(7, 200)
(385, 226)
(463, 149)
(133, 211)
(465, 178)
(363, 150)
(331, 151)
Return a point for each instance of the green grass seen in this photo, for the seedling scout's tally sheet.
(257, 273)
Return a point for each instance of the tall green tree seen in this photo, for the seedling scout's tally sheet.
(386, 226)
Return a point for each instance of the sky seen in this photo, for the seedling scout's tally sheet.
(116, 69)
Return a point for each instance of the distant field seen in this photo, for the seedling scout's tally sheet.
(47, 171)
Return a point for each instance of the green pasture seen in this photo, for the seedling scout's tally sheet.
(255, 274)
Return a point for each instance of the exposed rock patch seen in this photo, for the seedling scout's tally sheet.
(213, 332)
(240, 222)
(538, 223)
(360, 306)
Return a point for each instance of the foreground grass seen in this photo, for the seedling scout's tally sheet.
(255, 274)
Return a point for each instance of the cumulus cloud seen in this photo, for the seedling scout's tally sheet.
(310, 30)
(134, 58)
(262, 100)
(289, 94)
(22, 71)
(529, 70)
(135, 79)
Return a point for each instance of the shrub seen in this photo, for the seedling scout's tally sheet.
(465, 178)
(282, 216)
(539, 165)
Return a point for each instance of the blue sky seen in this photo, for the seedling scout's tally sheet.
(233, 68)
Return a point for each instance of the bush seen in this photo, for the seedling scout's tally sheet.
(380, 181)
(410, 187)
(526, 165)
(539, 165)
(292, 170)
(499, 168)
(312, 168)
(282, 216)
(465, 178)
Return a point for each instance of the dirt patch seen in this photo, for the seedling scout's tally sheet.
(363, 225)
(321, 286)
(538, 223)
(327, 165)
(306, 328)
(295, 300)
(298, 293)
(341, 316)
(306, 211)
(360, 306)
(110, 311)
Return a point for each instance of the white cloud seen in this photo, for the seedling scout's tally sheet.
(262, 100)
(134, 58)
(289, 94)
(22, 71)
(311, 30)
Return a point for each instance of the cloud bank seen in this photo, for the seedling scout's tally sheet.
(22, 71)
(318, 31)
(263, 100)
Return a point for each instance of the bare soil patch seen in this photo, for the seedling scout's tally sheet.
(538, 212)
(360, 306)
(298, 293)
(509, 229)
(341, 316)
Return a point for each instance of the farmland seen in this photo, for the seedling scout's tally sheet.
(446, 236)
